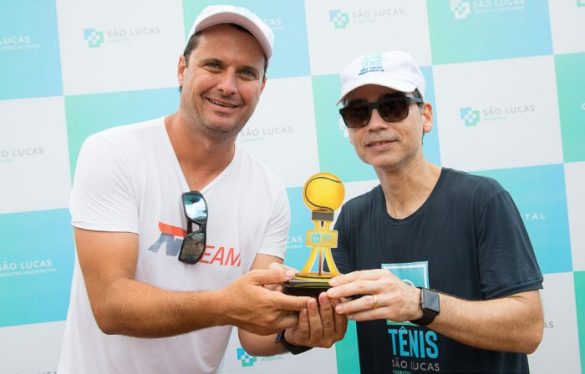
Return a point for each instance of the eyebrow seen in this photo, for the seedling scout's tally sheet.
(220, 62)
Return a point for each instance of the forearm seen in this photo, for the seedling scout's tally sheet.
(510, 324)
(137, 309)
(258, 345)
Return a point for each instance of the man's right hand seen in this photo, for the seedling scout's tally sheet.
(248, 304)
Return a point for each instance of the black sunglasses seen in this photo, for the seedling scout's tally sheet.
(392, 108)
(194, 242)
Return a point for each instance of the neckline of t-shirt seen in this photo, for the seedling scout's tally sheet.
(417, 213)
(209, 186)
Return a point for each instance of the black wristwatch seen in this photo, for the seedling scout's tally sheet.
(430, 305)
(294, 349)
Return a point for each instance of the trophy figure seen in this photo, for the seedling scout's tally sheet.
(323, 193)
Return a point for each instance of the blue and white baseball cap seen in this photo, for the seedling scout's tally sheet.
(392, 69)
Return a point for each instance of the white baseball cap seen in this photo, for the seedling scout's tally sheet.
(218, 14)
(392, 69)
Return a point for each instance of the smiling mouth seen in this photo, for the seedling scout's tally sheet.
(222, 104)
(379, 143)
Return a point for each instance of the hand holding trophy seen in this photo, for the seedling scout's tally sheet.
(323, 193)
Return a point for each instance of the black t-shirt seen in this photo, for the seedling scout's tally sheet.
(467, 240)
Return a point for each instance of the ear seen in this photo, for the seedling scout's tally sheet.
(181, 67)
(427, 117)
(350, 133)
(263, 83)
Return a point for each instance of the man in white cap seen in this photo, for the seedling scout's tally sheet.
(446, 276)
(170, 216)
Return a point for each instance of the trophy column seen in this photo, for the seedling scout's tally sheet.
(323, 193)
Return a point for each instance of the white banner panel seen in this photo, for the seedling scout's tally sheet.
(567, 19)
(495, 114)
(34, 161)
(559, 350)
(39, 345)
(281, 132)
(119, 45)
(339, 31)
(575, 183)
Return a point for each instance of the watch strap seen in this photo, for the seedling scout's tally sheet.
(293, 349)
(428, 313)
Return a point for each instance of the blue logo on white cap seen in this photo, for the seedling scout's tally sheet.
(371, 63)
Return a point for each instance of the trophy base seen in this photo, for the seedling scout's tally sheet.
(311, 284)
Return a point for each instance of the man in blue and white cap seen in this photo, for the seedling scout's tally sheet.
(170, 216)
(447, 277)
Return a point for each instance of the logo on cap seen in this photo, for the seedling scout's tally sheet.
(372, 63)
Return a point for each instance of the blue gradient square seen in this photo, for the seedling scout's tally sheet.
(297, 251)
(474, 30)
(431, 139)
(336, 154)
(30, 63)
(540, 195)
(88, 114)
(36, 266)
(290, 57)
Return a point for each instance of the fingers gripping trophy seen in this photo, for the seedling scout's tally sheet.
(323, 193)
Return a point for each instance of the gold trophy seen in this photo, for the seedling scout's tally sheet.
(323, 193)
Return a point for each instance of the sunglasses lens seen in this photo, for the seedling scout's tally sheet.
(356, 116)
(194, 242)
(192, 248)
(393, 110)
(195, 206)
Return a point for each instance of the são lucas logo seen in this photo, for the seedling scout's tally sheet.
(462, 9)
(245, 359)
(96, 38)
(341, 19)
(472, 117)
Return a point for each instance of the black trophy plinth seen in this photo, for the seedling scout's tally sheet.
(307, 285)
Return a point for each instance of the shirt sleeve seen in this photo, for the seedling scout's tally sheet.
(507, 260)
(102, 196)
(276, 234)
(341, 254)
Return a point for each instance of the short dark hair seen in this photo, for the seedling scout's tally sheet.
(416, 94)
(194, 41)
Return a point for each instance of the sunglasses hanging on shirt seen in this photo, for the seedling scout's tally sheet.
(193, 246)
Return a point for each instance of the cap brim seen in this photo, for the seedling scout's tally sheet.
(378, 80)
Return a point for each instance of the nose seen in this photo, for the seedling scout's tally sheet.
(376, 122)
(227, 84)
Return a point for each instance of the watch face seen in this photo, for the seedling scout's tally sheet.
(431, 300)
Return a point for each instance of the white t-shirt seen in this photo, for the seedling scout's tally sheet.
(128, 179)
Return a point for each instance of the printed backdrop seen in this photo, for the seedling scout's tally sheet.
(505, 79)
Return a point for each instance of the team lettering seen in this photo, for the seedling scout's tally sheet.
(220, 256)
(172, 237)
